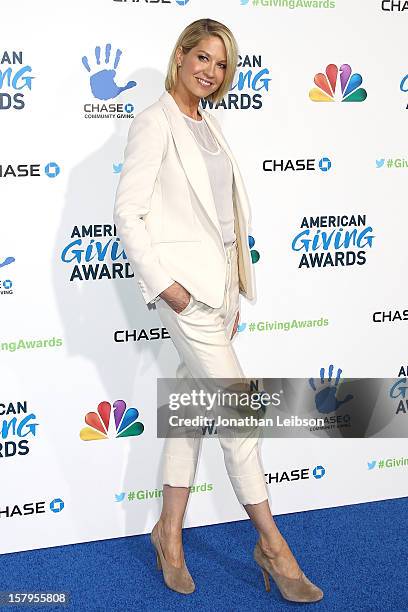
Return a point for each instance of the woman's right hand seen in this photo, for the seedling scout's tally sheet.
(176, 296)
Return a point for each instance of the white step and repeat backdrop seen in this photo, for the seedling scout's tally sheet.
(317, 119)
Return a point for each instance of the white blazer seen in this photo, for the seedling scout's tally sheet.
(165, 213)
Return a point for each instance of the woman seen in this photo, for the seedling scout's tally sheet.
(182, 213)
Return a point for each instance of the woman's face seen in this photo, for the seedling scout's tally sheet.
(203, 68)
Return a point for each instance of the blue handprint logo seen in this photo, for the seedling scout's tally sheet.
(325, 399)
(102, 82)
(7, 261)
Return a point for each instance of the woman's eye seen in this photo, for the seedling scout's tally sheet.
(204, 57)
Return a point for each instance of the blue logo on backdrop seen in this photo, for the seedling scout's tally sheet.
(57, 505)
(6, 285)
(52, 170)
(325, 164)
(327, 401)
(102, 80)
(319, 471)
(250, 84)
(14, 79)
(91, 259)
(347, 246)
(18, 427)
(404, 86)
(7, 261)
(398, 391)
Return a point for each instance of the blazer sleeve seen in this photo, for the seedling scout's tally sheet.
(142, 159)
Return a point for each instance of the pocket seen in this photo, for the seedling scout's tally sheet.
(205, 307)
(188, 307)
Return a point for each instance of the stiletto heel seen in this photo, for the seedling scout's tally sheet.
(176, 578)
(266, 580)
(299, 589)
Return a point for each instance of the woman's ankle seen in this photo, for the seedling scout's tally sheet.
(169, 527)
(271, 545)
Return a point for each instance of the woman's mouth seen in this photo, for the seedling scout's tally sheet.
(204, 83)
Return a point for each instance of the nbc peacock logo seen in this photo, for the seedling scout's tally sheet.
(254, 253)
(104, 424)
(338, 85)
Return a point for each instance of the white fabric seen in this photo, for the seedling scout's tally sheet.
(220, 173)
(167, 234)
(202, 337)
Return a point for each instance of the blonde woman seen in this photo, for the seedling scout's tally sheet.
(182, 212)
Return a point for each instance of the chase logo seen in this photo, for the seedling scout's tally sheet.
(325, 164)
(297, 165)
(31, 170)
(6, 287)
(52, 170)
(319, 471)
(327, 89)
(57, 505)
(123, 424)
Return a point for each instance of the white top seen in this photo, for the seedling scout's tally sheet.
(220, 173)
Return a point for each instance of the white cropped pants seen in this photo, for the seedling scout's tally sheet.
(202, 337)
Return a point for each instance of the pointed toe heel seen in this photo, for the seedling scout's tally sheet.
(299, 589)
(176, 578)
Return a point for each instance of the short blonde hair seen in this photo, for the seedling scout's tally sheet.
(190, 37)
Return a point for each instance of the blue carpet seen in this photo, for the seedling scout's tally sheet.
(356, 554)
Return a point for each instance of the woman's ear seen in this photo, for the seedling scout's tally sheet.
(179, 55)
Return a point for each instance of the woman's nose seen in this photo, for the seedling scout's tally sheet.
(209, 71)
